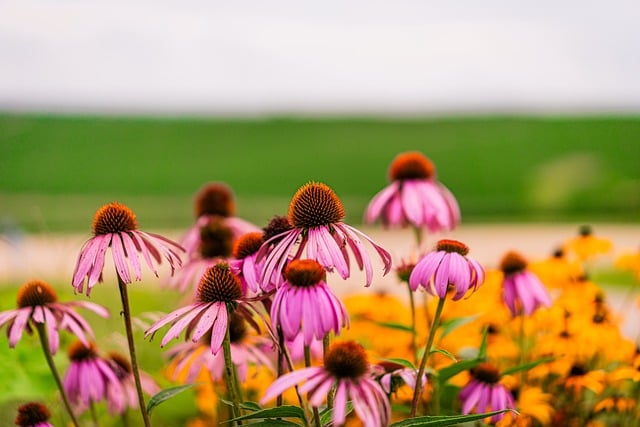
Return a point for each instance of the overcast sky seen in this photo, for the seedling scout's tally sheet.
(364, 56)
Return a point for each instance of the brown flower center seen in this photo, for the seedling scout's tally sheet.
(512, 263)
(248, 244)
(315, 204)
(216, 239)
(219, 284)
(346, 360)
(34, 293)
(577, 370)
(31, 414)
(452, 246)
(304, 272)
(486, 373)
(585, 230)
(277, 225)
(411, 165)
(114, 218)
(215, 199)
(122, 363)
(78, 351)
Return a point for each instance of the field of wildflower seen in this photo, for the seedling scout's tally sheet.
(245, 324)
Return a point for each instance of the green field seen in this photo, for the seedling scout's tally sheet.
(55, 171)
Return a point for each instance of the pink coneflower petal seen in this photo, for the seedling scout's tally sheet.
(470, 398)
(168, 319)
(283, 383)
(319, 393)
(425, 269)
(219, 329)
(120, 258)
(206, 322)
(52, 330)
(377, 204)
(340, 404)
(140, 246)
(180, 325)
(19, 323)
(130, 251)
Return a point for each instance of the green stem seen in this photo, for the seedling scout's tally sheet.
(417, 231)
(326, 343)
(126, 313)
(94, 415)
(307, 364)
(230, 375)
(44, 342)
(417, 392)
(412, 306)
(280, 364)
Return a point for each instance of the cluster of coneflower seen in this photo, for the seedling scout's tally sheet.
(258, 300)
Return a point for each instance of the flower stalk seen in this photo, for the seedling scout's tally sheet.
(126, 313)
(230, 375)
(44, 342)
(417, 392)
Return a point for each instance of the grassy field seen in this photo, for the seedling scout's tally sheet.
(55, 171)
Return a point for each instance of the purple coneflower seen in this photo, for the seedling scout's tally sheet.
(89, 376)
(447, 268)
(115, 226)
(245, 265)
(119, 399)
(347, 369)
(246, 349)
(33, 414)
(414, 197)
(485, 393)
(304, 303)
(38, 304)
(522, 291)
(316, 214)
(215, 245)
(219, 292)
(214, 200)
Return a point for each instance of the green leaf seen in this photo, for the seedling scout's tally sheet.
(445, 352)
(446, 420)
(484, 343)
(452, 370)
(273, 422)
(399, 361)
(450, 325)
(527, 366)
(166, 394)
(286, 411)
(396, 326)
(326, 415)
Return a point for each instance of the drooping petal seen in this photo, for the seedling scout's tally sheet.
(280, 385)
(132, 255)
(206, 322)
(171, 317)
(18, 326)
(219, 328)
(119, 258)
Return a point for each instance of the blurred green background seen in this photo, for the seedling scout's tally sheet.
(55, 171)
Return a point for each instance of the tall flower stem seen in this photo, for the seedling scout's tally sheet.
(280, 363)
(126, 313)
(417, 392)
(326, 342)
(412, 306)
(44, 342)
(307, 364)
(230, 374)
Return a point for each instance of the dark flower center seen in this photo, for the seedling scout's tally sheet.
(346, 360)
(277, 225)
(216, 239)
(304, 272)
(31, 414)
(585, 230)
(404, 270)
(248, 244)
(486, 373)
(34, 293)
(219, 284)
(577, 370)
(122, 364)
(78, 351)
(448, 245)
(512, 263)
(237, 328)
(215, 199)
(411, 165)
(558, 253)
(315, 204)
(114, 218)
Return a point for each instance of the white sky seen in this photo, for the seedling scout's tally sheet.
(330, 56)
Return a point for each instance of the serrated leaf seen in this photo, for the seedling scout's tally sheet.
(166, 394)
(452, 370)
(396, 326)
(399, 361)
(527, 366)
(446, 420)
(326, 415)
(286, 411)
(450, 325)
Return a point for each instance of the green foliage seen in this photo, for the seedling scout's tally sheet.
(444, 420)
(166, 394)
